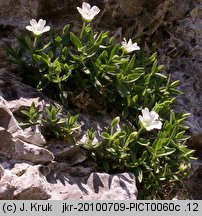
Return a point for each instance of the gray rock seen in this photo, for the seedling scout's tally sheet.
(14, 12)
(193, 183)
(34, 185)
(102, 185)
(6, 190)
(6, 142)
(1, 171)
(34, 136)
(11, 133)
(95, 187)
(7, 120)
(45, 182)
(33, 153)
(69, 152)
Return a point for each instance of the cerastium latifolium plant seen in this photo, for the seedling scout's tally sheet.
(32, 116)
(147, 137)
(54, 124)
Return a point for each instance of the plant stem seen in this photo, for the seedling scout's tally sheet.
(35, 40)
(83, 27)
(139, 131)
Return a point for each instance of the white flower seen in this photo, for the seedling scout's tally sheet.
(129, 47)
(150, 120)
(38, 28)
(87, 12)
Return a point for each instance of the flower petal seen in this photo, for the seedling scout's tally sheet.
(135, 47)
(46, 28)
(154, 115)
(154, 125)
(145, 112)
(79, 10)
(130, 42)
(149, 127)
(41, 24)
(29, 28)
(95, 10)
(33, 22)
(140, 118)
(157, 124)
(86, 6)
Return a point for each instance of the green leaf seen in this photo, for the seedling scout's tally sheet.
(125, 112)
(161, 75)
(139, 174)
(114, 52)
(186, 151)
(118, 134)
(122, 89)
(36, 57)
(132, 136)
(151, 150)
(91, 133)
(165, 152)
(175, 91)
(172, 117)
(153, 57)
(66, 29)
(143, 157)
(130, 139)
(143, 142)
(58, 39)
(132, 77)
(104, 55)
(134, 99)
(158, 144)
(154, 67)
(124, 155)
(76, 58)
(25, 112)
(175, 83)
(111, 150)
(32, 108)
(160, 68)
(71, 119)
(115, 121)
(75, 40)
(132, 62)
(25, 42)
(189, 153)
(105, 135)
(44, 47)
(174, 131)
(101, 37)
(180, 135)
(147, 79)
(98, 63)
